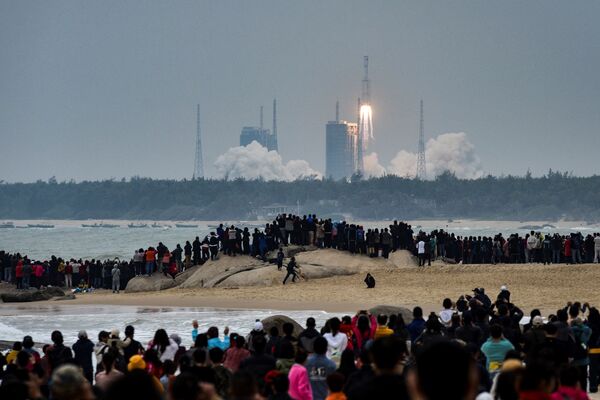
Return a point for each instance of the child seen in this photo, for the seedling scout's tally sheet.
(335, 384)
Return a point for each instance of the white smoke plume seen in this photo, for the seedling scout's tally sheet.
(372, 167)
(448, 152)
(256, 162)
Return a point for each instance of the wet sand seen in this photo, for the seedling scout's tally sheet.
(531, 285)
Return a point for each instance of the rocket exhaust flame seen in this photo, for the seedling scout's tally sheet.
(366, 123)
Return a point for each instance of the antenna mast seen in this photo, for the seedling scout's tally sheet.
(198, 162)
(261, 118)
(421, 166)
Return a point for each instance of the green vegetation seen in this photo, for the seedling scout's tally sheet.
(551, 197)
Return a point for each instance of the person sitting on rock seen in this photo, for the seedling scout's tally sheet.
(370, 281)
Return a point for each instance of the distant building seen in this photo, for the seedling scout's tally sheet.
(262, 136)
(341, 148)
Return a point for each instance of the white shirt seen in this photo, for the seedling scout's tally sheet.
(421, 247)
(337, 344)
(531, 242)
(597, 242)
(446, 316)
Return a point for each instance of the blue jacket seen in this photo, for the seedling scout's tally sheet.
(216, 342)
(415, 328)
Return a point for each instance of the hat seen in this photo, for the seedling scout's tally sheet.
(115, 333)
(136, 362)
(503, 287)
(175, 337)
(511, 364)
(537, 321)
(258, 326)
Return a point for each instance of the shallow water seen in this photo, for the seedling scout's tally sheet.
(39, 321)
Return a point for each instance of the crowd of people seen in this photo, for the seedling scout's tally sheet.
(473, 348)
(308, 230)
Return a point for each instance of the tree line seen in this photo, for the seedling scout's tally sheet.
(550, 197)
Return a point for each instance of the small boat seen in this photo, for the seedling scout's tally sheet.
(103, 225)
(44, 226)
(157, 225)
(6, 225)
(186, 225)
(132, 225)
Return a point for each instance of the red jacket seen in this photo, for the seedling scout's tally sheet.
(38, 270)
(362, 338)
(19, 270)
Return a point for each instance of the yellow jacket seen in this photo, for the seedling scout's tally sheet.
(383, 331)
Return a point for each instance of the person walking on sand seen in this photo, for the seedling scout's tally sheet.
(291, 270)
(116, 278)
(421, 252)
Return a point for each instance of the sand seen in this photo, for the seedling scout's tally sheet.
(531, 285)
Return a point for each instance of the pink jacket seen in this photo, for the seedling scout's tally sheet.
(300, 388)
(565, 392)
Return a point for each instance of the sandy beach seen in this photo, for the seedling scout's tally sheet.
(532, 286)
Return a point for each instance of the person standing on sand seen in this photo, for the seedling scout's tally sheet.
(68, 276)
(116, 278)
(596, 247)
(291, 270)
(83, 350)
(280, 257)
(319, 367)
(421, 252)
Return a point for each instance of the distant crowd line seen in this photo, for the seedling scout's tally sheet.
(308, 230)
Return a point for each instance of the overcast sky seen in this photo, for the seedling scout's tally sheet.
(100, 89)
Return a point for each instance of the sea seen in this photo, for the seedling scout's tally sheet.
(70, 239)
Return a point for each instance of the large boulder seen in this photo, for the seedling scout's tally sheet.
(213, 273)
(390, 310)
(26, 296)
(269, 275)
(278, 321)
(152, 283)
(158, 281)
(343, 260)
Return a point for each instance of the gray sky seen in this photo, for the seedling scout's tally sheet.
(100, 89)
